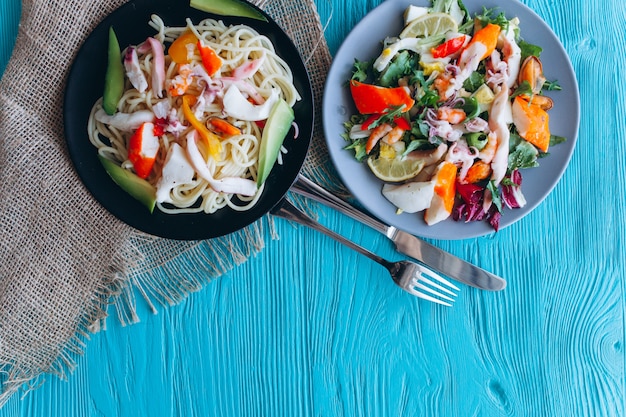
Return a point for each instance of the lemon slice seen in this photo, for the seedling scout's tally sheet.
(396, 169)
(429, 25)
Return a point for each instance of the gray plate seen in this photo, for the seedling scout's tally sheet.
(364, 43)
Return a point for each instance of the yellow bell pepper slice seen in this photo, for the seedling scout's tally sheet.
(178, 49)
(210, 138)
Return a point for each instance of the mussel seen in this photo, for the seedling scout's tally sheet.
(531, 71)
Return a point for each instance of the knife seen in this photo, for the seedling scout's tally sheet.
(407, 244)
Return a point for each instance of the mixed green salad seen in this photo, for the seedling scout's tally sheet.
(450, 112)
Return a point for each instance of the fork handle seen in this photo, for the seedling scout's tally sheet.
(308, 188)
(288, 211)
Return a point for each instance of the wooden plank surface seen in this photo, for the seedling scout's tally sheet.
(309, 328)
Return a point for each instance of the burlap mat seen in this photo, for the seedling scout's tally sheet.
(65, 263)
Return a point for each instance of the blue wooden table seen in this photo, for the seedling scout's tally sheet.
(308, 327)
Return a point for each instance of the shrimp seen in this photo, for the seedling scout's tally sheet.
(451, 115)
(377, 134)
(488, 152)
(394, 135)
(181, 82)
(442, 84)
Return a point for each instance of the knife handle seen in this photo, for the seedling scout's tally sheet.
(308, 188)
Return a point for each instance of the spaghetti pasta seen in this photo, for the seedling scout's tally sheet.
(218, 170)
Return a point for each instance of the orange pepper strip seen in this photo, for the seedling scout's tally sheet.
(478, 171)
(532, 123)
(210, 59)
(488, 36)
(224, 127)
(445, 185)
(178, 49)
(370, 98)
(211, 139)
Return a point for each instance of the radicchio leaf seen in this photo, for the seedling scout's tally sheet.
(472, 207)
(512, 191)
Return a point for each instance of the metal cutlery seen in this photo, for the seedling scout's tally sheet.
(407, 244)
(410, 276)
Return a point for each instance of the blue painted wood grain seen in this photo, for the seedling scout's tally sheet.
(310, 328)
(9, 20)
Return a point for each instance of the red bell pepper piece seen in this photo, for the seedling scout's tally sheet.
(400, 121)
(143, 147)
(449, 47)
(371, 99)
(371, 119)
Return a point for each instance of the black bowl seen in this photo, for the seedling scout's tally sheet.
(85, 85)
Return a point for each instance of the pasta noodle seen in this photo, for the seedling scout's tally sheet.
(249, 63)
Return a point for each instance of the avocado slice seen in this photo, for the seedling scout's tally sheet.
(276, 128)
(228, 8)
(114, 78)
(139, 188)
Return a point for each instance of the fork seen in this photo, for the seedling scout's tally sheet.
(412, 277)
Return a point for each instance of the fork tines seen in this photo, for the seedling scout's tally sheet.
(430, 286)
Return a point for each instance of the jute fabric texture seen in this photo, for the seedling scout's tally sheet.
(65, 263)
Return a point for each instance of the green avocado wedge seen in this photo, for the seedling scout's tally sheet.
(228, 8)
(138, 188)
(114, 78)
(276, 128)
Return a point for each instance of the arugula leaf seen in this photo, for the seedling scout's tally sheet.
(360, 72)
(487, 17)
(522, 154)
(495, 195)
(508, 182)
(358, 146)
(475, 80)
(428, 99)
(523, 89)
(552, 86)
(417, 144)
(528, 49)
(417, 77)
(555, 140)
(402, 65)
(388, 117)
(420, 129)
